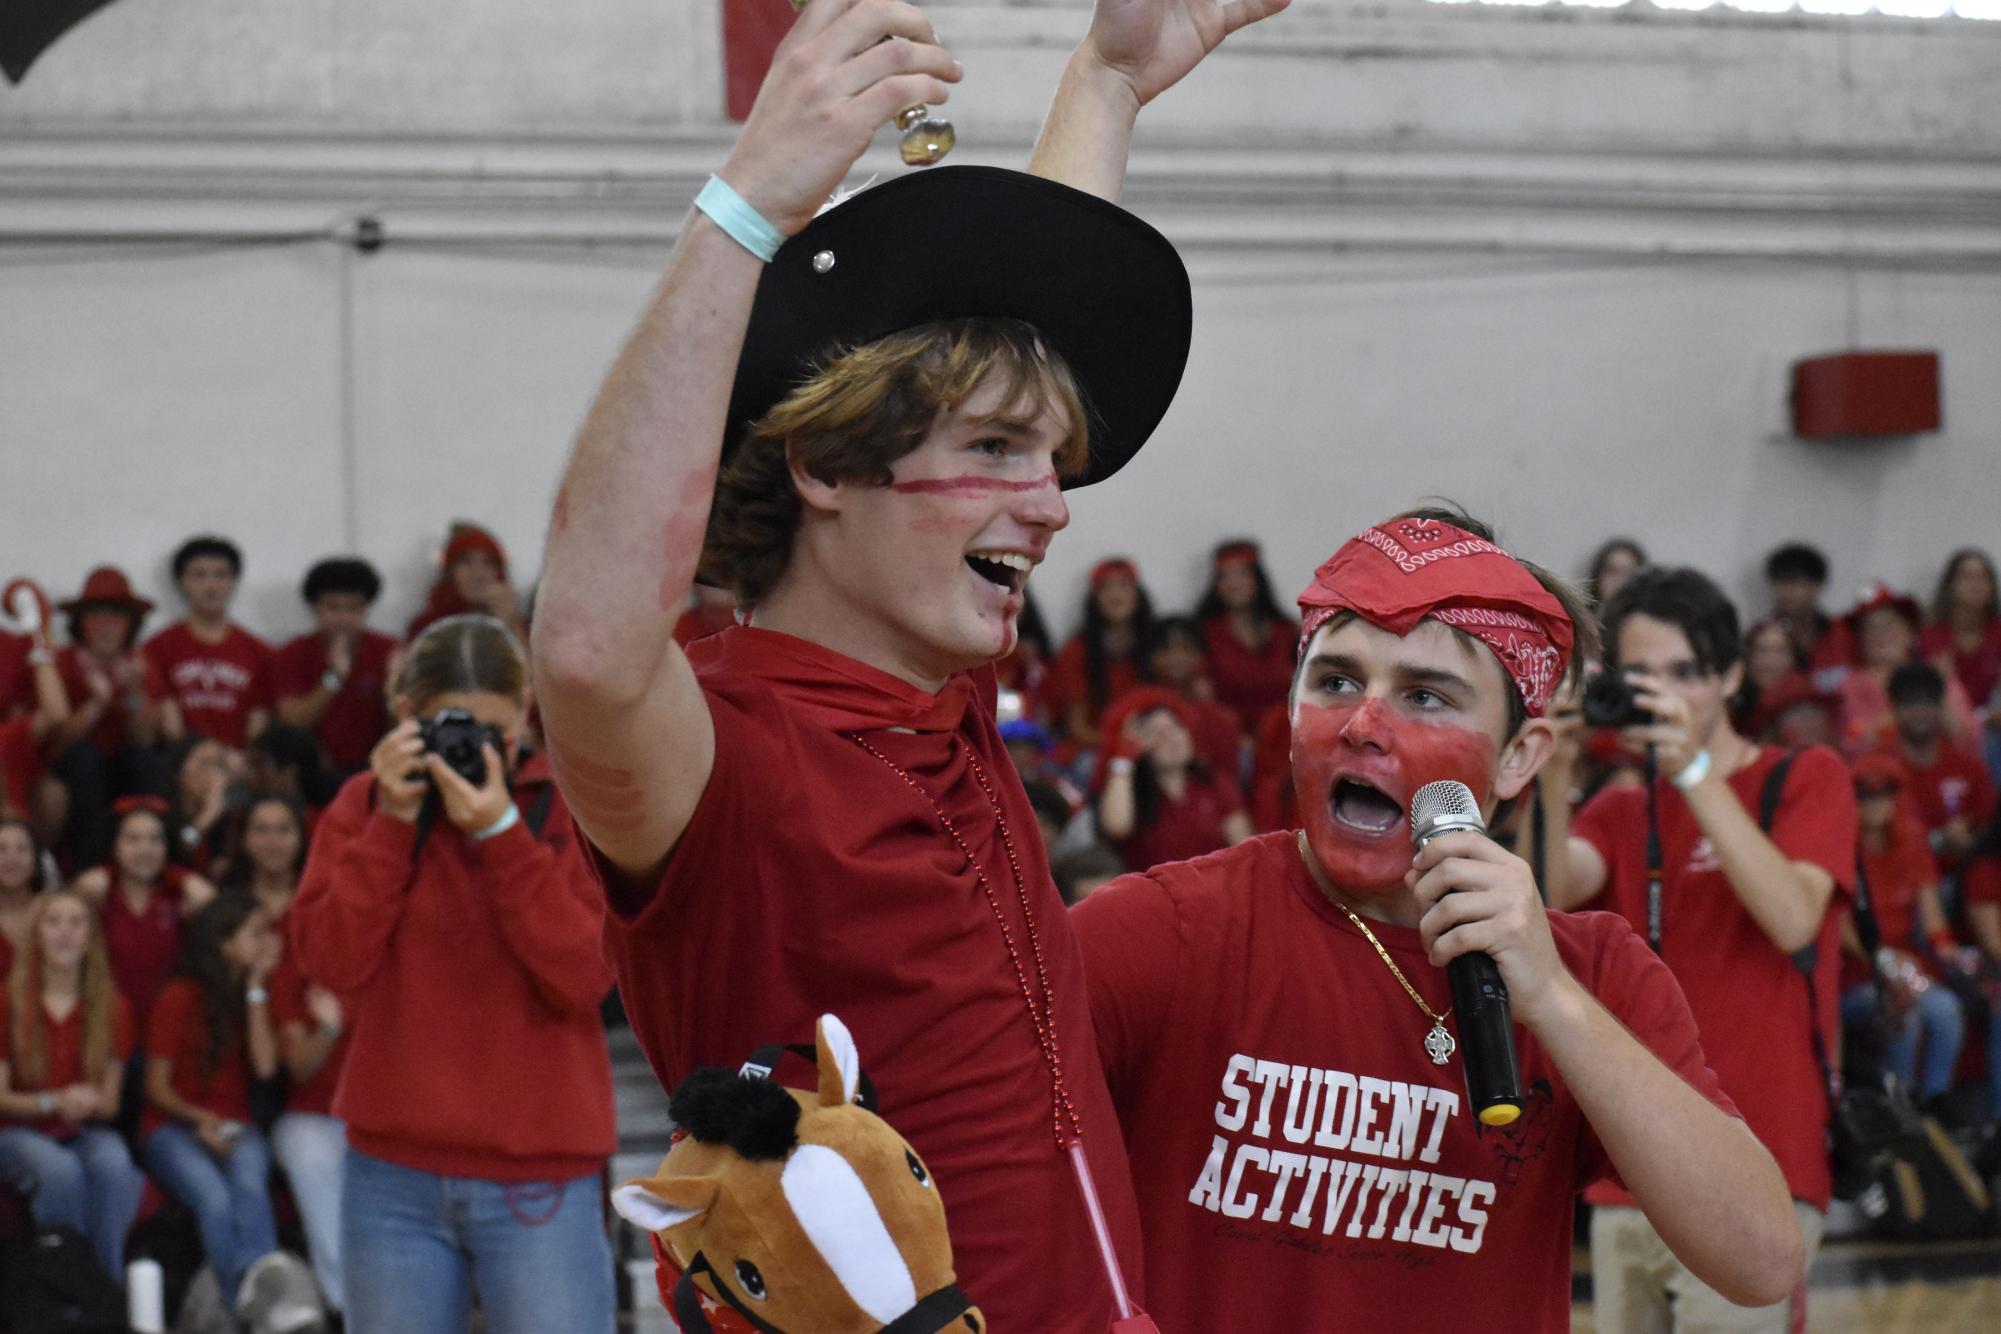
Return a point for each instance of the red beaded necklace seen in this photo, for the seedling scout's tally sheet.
(1042, 1015)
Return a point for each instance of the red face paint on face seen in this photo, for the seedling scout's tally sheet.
(1365, 740)
(970, 485)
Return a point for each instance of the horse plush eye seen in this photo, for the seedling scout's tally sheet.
(750, 1280)
(917, 1169)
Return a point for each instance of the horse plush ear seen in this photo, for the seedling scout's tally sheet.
(840, 1063)
(664, 1202)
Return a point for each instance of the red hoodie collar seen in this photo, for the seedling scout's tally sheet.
(841, 693)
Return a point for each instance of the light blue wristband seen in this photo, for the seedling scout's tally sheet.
(500, 826)
(733, 213)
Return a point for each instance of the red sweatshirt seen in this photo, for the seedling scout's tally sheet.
(473, 982)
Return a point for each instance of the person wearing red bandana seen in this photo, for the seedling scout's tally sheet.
(1250, 638)
(1276, 1023)
(863, 420)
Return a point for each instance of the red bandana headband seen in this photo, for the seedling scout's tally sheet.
(1116, 568)
(1237, 553)
(1419, 569)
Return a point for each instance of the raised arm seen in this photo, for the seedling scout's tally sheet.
(1135, 51)
(629, 733)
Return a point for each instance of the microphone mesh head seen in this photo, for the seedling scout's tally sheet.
(1441, 806)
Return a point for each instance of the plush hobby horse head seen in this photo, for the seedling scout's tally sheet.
(804, 1213)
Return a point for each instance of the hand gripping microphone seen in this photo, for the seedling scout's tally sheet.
(1479, 996)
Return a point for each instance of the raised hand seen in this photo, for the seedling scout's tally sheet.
(1153, 44)
(834, 81)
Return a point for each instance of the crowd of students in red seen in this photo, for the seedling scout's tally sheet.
(159, 1011)
(161, 791)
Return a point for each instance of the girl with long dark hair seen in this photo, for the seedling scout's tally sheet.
(1158, 801)
(20, 879)
(1252, 639)
(1106, 657)
(1964, 636)
(459, 921)
(208, 1038)
(64, 1036)
(144, 899)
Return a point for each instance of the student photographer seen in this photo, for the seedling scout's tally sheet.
(1740, 894)
(460, 930)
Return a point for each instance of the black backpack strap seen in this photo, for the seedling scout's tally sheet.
(537, 814)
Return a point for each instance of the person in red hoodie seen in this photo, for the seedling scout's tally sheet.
(472, 577)
(461, 932)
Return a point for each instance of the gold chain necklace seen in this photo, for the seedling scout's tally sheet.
(1438, 1043)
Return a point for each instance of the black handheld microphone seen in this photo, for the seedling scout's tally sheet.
(1479, 996)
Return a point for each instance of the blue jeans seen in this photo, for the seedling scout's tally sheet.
(416, 1247)
(230, 1197)
(313, 1149)
(1937, 1015)
(88, 1183)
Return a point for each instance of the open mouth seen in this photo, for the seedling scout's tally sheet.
(1361, 806)
(1004, 569)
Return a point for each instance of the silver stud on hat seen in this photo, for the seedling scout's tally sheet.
(823, 262)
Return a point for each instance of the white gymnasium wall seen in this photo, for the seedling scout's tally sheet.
(1554, 263)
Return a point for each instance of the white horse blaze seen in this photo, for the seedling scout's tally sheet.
(840, 1219)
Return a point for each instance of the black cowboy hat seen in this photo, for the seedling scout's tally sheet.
(1103, 289)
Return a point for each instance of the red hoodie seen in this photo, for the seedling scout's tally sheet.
(473, 983)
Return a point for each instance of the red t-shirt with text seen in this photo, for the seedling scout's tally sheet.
(63, 1049)
(1749, 999)
(1301, 1163)
(178, 1029)
(1954, 786)
(216, 685)
(358, 715)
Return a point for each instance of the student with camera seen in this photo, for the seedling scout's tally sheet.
(447, 904)
(1734, 864)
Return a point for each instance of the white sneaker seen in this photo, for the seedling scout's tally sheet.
(278, 1296)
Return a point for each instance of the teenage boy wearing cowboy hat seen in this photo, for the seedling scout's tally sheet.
(896, 394)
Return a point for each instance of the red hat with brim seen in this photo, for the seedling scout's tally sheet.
(107, 586)
(1878, 596)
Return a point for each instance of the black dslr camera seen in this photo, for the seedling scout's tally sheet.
(455, 736)
(1612, 700)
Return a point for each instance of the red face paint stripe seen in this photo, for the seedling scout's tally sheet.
(969, 485)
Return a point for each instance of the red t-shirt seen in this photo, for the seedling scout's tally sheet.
(288, 1006)
(178, 1030)
(1749, 998)
(1978, 671)
(816, 880)
(1069, 681)
(110, 734)
(216, 685)
(1956, 785)
(143, 945)
(1182, 827)
(1895, 876)
(63, 1047)
(1296, 1152)
(358, 716)
(1249, 681)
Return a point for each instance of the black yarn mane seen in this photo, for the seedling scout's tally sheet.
(755, 1117)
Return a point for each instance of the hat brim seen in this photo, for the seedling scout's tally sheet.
(1106, 291)
(136, 605)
